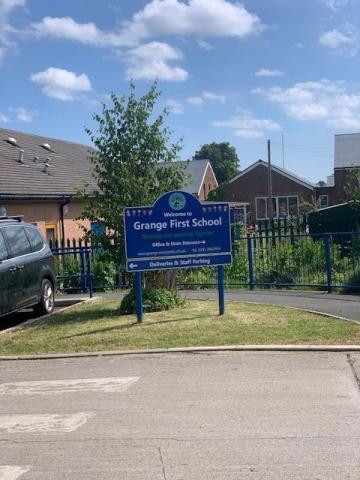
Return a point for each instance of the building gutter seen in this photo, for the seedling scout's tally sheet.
(65, 202)
(39, 197)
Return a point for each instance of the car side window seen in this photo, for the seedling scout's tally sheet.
(17, 240)
(36, 240)
(3, 250)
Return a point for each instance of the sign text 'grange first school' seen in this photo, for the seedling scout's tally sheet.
(178, 231)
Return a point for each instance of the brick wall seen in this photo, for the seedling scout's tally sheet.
(47, 216)
(209, 183)
(255, 184)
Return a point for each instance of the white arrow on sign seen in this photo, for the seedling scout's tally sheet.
(133, 265)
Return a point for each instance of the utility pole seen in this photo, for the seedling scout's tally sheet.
(270, 214)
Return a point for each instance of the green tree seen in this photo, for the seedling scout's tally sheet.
(132, 165)
(223, 159)
(352, 188)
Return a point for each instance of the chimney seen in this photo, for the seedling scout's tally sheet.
(20, 156)
(46, 166)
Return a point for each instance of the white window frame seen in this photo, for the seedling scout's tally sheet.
(277, 205)
(327, 200)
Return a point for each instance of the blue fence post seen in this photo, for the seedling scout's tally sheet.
(88, 273)
(251, 263)
(221, 289)
(83, 274)
(138, 295)
(328, 260)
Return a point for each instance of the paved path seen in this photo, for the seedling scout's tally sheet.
(347, 306)
(218, 416)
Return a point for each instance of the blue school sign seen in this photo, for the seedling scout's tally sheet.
(177, 232)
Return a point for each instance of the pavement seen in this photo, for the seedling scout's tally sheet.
(213, 416)
(346, 306)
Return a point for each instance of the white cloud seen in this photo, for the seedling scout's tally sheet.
(4, 118)
(61, 84)
(175, 106)
(248, 134)
(201, 18)
(335, 4)
(299, 45)
(324, 101)
(69, 29)
(206, 96)
(6, 8)
(24, 115)
(214, 97)
(195, 100)
(265, 72)
(7, 5)
(247, 126)
(334, 39)
(150, 61)
(205, 45)
(205, 18)
(346, 38)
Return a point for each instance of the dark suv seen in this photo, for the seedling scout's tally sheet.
(27, 277)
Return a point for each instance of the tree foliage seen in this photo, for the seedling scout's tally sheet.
(352, 188)
(223, 159)
(132, 164)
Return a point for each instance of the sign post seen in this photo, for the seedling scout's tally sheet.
(221, 289)
(138, 296)
(178, 231)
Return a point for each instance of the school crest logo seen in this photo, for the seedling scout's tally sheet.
(177, 201)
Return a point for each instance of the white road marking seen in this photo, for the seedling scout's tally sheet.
(8, 472)
(53, 387)
(43, 423)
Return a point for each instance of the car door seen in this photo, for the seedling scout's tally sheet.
(19, 249)
(36, 267)
(4, 277)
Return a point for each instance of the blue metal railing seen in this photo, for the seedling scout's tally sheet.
(81, 280)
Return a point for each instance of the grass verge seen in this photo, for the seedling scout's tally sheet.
(97, 326)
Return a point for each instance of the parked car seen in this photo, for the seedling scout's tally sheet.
(27, 276)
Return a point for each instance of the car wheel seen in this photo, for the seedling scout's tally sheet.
(47, 300)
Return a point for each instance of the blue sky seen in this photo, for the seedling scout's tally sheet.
(284, 70)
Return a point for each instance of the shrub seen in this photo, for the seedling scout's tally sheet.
(154, 300)
(196, 278)
(68, 266)
(104, 275)
(352, 281)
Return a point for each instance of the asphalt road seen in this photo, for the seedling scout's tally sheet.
(15, 319)
(347, 306)
(231, 416)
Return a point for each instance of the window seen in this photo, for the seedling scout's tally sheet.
(17, 240)
(281, 207)
(293, 206)
(51, 232)
(324, 201)
(35, 238)
(261, 210)
(3, 250)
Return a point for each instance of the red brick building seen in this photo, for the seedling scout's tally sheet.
(252, 186)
